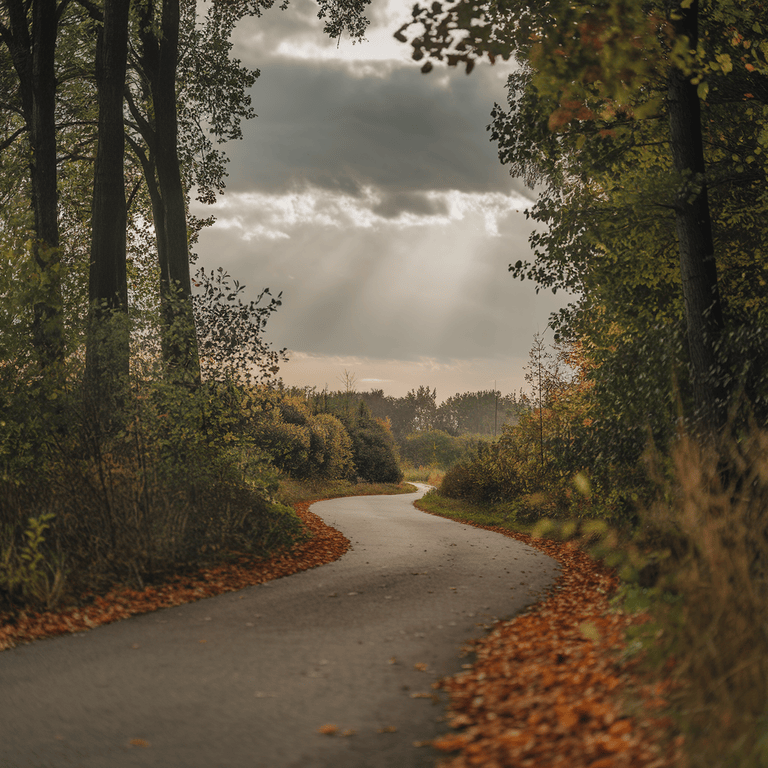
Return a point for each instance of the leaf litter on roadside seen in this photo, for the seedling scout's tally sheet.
(551, 687)
(547, 688)
(326, 545)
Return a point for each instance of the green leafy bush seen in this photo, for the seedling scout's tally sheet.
(436, 448)
(373, 448)
(330, 448)
(26, 568)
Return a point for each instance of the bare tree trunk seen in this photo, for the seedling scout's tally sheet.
(108, 343)
(698, 270)
(159, 65)
(33, 53)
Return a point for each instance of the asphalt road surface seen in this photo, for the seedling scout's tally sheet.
(246, 679)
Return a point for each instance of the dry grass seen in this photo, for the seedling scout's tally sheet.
(719, 633)
(432, 475)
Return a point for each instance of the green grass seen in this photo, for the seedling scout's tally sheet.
(498, 515)
(294, 491)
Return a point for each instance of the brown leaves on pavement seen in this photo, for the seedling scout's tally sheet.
(550, 687)
(326, 545)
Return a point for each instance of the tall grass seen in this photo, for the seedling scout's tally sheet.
(431, 475)
(717, 521)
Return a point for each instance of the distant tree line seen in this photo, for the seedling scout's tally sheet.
(482, 413)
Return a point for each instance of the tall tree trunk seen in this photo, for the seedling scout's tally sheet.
(33, 54)
(159, 63)
(703, 309)
(108, 343)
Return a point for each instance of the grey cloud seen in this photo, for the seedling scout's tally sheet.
(320, 125)
(299, 25)
(381, 292)
(394, 204)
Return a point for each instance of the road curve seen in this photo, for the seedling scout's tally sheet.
(244, 680)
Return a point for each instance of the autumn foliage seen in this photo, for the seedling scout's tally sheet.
(325, 545)
(556, 684)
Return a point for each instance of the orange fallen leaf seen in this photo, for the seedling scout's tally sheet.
(548, 686)
(328, 730)
(451, 743)
(120, 602)
(139, 743)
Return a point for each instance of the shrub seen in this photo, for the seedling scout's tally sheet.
(330, 451)
(436, 448)
(374, 449)
(178, 483)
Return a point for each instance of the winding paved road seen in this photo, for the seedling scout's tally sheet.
(244, 680)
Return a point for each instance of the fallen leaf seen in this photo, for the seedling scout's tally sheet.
(328, 730)
(120, 602)
(139, 743)
(548, 686)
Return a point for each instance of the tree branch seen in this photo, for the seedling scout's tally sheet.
(15, 135)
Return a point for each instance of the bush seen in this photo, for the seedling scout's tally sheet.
(374, 449)
(497, 473)
(299, 443)
(177, 482)
(436, 448)
(330, 451)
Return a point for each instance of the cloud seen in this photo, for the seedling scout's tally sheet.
(320, 125)
(297, 33)
(258, 215)
(371, 196)
(440, 288)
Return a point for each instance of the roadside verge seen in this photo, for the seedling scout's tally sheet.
(557, 684)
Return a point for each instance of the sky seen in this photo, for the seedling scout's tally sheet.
(371, 196)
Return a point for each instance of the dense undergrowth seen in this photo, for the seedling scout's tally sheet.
(692, 553)
(162, 480)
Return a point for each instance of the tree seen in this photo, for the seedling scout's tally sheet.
(483, 413)
(598, 72)
(30, 38)
(547, 379)
(108, 344)
(184, 93)
(156, 63)
(373, 447)
(420, 407)
(698, 270)
(176, 54)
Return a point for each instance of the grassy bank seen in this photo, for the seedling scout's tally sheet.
(467, 512)
(693, 564)
(294, 491)
(423, 474)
